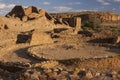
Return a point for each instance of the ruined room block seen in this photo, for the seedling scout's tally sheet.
(40, 38)
(34, 38)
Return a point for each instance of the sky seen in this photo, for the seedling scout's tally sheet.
(55, 6)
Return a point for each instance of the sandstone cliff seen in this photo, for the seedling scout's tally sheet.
(97, 17)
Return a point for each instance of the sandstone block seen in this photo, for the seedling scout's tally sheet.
(40, 38)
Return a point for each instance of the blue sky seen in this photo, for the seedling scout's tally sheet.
(63, 5)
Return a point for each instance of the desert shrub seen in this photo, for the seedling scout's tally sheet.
(88, 25)
(117, 32)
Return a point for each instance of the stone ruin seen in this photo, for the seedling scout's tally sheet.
(74, 22)
(34, 38)
(25, 14)
(40, 38)
(32, 13)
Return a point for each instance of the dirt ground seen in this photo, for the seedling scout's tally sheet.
(84, 56)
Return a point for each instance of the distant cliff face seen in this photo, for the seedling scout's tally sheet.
(97, 17)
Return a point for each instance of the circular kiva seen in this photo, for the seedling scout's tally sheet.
(60, 53)
(52, 53)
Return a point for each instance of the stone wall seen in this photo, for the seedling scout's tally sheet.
(34, 38)
(40, 38)
(73, 22)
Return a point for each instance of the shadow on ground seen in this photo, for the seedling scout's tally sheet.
(114, 50)
(23, 54)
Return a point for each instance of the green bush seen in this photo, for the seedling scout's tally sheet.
(88, 25)
(115, 31)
